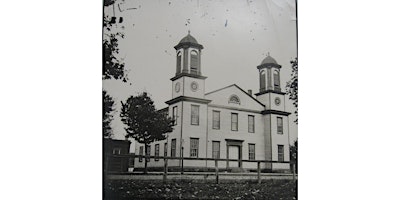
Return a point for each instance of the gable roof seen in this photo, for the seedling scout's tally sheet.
(234, 85)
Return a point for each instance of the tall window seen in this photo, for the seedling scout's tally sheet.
(280, 153)
(173, 147)
(216, 119)
(156, 152)
(148, 153)
(276, 79)
(215, 149)
(178, 62)
(234, 121)
(262, 80)
(252, 151)
(280, 125)
(194, 147)
(251, 123)
(165, 149)
(195, 115)
(175, 114)
(141, 154)
(194, 62)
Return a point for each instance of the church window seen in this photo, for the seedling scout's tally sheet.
(156, 152)
(165, 149)
(178, 62)
(195, 115)
(141, 154)
(194, 147)
(175, 115)
(251, 123)
(194, 62)
(234, 121)
(279, 125)
(262, 80)
(280, 153)
(215, 149)
(276, 79)
(252, 151)
(173, 147)
(234, 99)
(216, 119)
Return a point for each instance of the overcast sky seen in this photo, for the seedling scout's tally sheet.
(236, 35)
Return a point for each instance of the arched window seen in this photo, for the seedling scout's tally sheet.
(194, 62)
(262, 80)
(276, 79)
(234, 99)
(178, 62)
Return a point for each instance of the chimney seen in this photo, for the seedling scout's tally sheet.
(250, 92)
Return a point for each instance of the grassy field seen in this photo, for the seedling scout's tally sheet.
(268, 189)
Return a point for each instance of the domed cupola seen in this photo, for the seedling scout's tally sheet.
(269, 71)
(188, 56)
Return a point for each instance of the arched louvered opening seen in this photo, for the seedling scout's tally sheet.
(262, 80)
(277, 85)
(178, 62)
(194, 62)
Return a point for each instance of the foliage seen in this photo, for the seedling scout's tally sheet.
(292, 86)
(293, 153)
(144, 123)
(108, 108)
(186, 189)
(112, 67)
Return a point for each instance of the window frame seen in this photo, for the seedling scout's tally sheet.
(173, 148)
(141, 153)
(253, 123)
(175, 115)
(252, 151)
(215, 150)
(114, 151)
(192, 116)
(148, 153)
(281, 155)
(214, 121)
(194, 147)
(237, 121)
(279, 128)
(156, 152)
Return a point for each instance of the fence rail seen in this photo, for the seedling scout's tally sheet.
(216, 160)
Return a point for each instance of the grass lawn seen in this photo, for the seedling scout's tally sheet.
(134, 189)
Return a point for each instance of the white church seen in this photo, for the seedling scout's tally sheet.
(225, 123)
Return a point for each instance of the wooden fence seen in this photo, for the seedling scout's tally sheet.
(216, 160)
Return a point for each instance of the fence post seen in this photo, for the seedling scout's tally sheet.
(258, 172)
(165, 170)
(216, 171)
(294, 172)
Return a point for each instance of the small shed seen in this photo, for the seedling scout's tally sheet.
(111, 148)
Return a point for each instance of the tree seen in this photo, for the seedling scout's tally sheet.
(144, 123)
(108, 108)
(112, 67)
(292, 85)
(294, 154)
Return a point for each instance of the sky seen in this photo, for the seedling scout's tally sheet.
(236, 34)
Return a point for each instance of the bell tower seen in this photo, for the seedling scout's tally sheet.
(275, 118)
(188, 80)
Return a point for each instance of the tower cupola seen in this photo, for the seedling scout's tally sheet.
(269, 71)
(188, 56)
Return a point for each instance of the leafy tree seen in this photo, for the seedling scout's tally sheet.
(112, 67)
(108, 108)
(292, 85)
(144, 123)
(294, 154)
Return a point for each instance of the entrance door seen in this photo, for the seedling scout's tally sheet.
(234, 154)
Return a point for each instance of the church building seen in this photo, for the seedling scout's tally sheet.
(226, 123)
